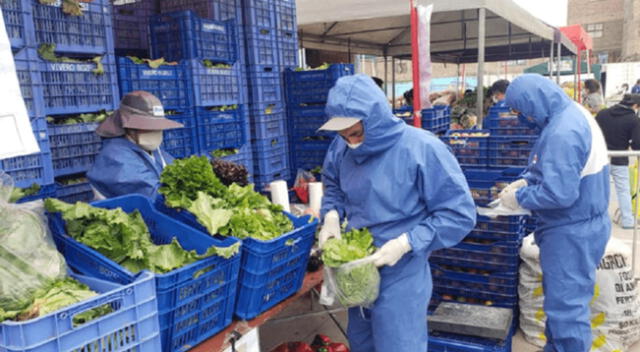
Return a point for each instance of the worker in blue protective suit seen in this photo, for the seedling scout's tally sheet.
(406, 187)
(131, 159)
(498, 92)
(567, 186)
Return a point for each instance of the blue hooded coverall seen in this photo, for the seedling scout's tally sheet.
(122, 167)
(400, 180)
(568, 177)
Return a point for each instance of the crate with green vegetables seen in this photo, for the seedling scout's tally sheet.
(273, 241)
(115, 239)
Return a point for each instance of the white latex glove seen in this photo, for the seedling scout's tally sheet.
(514, 186)
(330, 227)
(392, 251)
(509, 199)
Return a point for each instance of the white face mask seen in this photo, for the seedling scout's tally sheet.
(354, 146)
(150, 141)
(495, 99)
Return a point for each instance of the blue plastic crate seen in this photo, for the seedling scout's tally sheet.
(76, 192)
(180, 292)
(259, 13)
(498, 247)
(476, 297)
(268, 128)
(262, 47)
(243, 157)
(445, 342)
(313, 86)
(29, 78)
(270, 159)
(131, 24)
(511, 151)
(73, 147)
(265, 86)
(288, 49)
(181, 142)
(494, 235)
(72, 88)
(308, 157)
(219, 129)
(469, 146)
(215, 86)
(33, 168)
(512, 224)
(306, 112)
(170, 83)
(90, 33)
(507, 124)
(262, 258)
(132, 324)
(286, 15)
(475, 260)
(262, 181)
(183, 35)
(18, 22)
(485, 277)
(219, 10)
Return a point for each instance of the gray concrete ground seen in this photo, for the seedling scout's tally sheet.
(304, 329)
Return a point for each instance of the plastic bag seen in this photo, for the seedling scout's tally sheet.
(28, 256)
(301, 185)
(356, 283)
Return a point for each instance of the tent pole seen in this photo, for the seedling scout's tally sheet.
(415, 60)
(480, 84)
(393, 81)
(384, 84)
(551, 56)
(559, 54)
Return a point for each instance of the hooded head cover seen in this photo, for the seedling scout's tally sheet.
(535, 96)
(359, 97)
(138, 110)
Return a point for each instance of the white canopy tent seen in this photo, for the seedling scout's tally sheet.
(463, 31)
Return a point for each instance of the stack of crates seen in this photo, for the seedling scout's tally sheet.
(131, 26)
(306, 100)
(436, 119)
(469, 146)
(483, 268)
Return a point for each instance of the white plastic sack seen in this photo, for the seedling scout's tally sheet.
(615, 310)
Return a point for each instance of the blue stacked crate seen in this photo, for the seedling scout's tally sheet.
(18, 22)
(26, 61)
(131, 26)
(287, 33)
(74, 147)
(436, 119)
(74, 189)
(469, 146)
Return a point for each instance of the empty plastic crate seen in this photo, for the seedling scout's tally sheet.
(469, 146)
(72, 88)
(268, 159)
(270, 270)
(510, 151)
(181, 142)
(274, 126)
(265, 86)
(33, 168)
(18, 22)
(131, 325)
(183, 35)
(445, 342)
(262, 181)
(73, 147)
(215, 86)
(90, 33)
(259, 13)
(131, 24)
(507, 124)
(219, 10)
(288, 49)
(219, 129)
(74, 192)
(170, 83)
(183, 294)
(262, 47)
(286, 15)
(313, 86)
(26, 61)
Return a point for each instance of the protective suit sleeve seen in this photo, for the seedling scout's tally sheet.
(124, 173)
(561, 161)
(451, 211)
(333, 197)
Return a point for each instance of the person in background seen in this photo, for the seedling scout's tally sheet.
(498, 90)
(408, 97)
(636, 88)
(566, 185)
(621, 127)
(406, 187)
(131, 159)
(592, 96)
(379, 82)
(624, 89)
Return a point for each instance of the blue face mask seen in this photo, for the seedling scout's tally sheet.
(531, 123)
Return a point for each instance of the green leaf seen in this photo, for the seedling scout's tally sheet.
(207, 211)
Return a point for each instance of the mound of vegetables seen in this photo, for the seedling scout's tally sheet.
(233, 210)
(356, 281)
(125, 238)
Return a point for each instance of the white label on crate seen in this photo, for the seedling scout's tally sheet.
(211, 27)
(83, 5)
(217, 71)
(157, 73)
(69, 67)
(158, 110)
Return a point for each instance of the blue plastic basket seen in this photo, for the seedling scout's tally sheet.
(308, 156)
(183, 35)
(504, 123)
(262, 181)
(487, 277)
(78, 192)
(304, 87)
(268, 128)
(33, 168)
(29, 78)
(444, 342)
(485, 298)
(90, 33)
(170, 83)
(220, 129)
(131, 24)
(469, 146)
(511, 224)
(73, 147)
(286, 15)
(72, 88)
(215, 86)
(183, 292)
(510, 151)
(288, 49)
(202, 8)
(285, 256)
(269, 157)
(259, 13)
(181, 142)
(262, 47)
(132, 325)
(265, 86)
(18, 21)
(475, 260)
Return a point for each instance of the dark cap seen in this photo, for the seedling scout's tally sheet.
(138, 110)
(630, 99)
